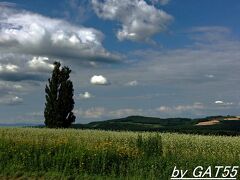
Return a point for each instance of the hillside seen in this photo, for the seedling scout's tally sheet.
(219, 125)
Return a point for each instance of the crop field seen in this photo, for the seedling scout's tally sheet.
(94, 154)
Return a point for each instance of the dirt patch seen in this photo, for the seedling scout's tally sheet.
(208, 123)
(232, 119)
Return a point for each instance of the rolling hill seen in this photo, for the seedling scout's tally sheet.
(218, 125)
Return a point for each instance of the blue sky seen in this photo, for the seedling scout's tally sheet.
(164, 58)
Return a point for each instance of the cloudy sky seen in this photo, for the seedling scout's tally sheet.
(164, 58)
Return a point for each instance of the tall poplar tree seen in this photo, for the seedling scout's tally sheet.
(59, 98)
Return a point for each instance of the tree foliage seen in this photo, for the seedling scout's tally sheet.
(59, 98)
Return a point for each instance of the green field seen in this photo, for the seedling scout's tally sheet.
(96, 154)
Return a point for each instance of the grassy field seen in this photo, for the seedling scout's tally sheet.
(95, 154)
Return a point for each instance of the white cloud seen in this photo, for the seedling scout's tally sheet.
(119, 113)
(223, 103)
(13, 72)
(138, 19)
(132, 83)
(18, 67)
(213, 65)
(10, 100)
(195, 106)
(8, 68)
(180, 108)
(101, 112)
(85, 95)
(164, 109)
(40, 64)
(218, 102)
(91, 113)
(10, 87)
(30, 33)
(99, 80)
(8, 91)
(210, 76)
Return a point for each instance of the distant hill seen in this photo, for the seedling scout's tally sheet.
(218, 125)
(19, 125)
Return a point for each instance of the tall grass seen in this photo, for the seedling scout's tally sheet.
(95, 154)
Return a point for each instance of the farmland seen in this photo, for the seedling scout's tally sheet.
(97, 154)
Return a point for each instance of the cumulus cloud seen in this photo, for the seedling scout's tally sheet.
(30, 33)
(99, 80)
(17, 67)
(85, 95)
(40, 64)
(8, 68)
(132, 83)
(139, 20)
(12, 72)
(10, 100)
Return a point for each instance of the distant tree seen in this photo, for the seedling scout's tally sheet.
(59, 98)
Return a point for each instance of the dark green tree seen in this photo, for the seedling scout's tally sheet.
(59, 98)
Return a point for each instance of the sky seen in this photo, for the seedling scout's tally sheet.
(162, 58)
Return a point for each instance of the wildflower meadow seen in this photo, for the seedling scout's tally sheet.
(95, 154)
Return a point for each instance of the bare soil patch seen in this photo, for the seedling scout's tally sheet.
(208, 123)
